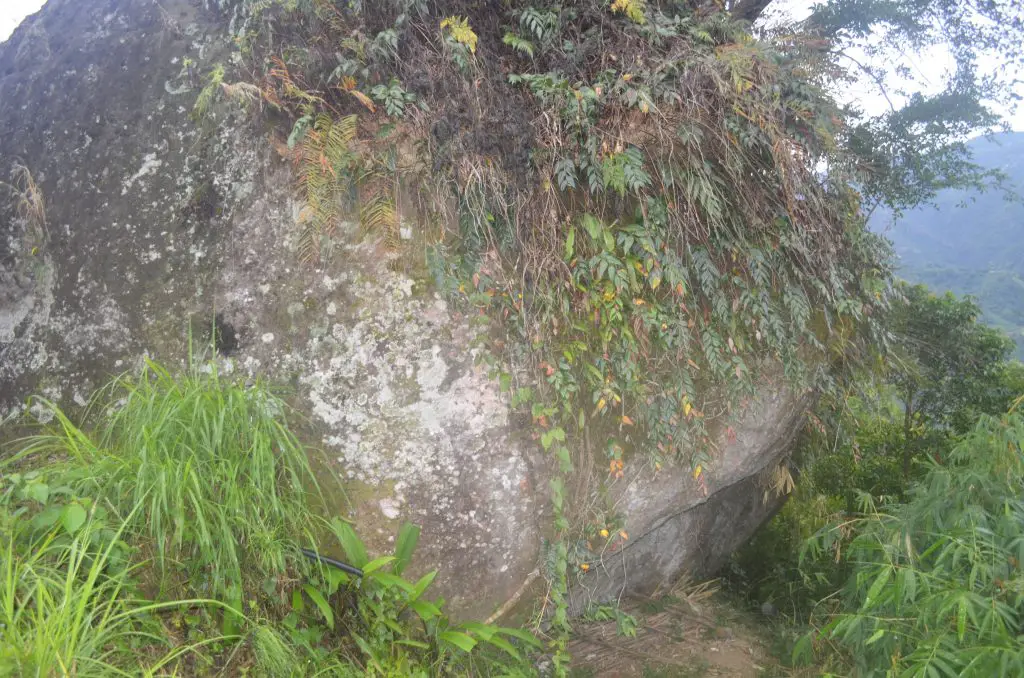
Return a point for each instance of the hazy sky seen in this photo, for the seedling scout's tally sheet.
(929, 68)
(12, 12)
(866, 95)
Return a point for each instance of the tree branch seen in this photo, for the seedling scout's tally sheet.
(749, 10)
(874, 76)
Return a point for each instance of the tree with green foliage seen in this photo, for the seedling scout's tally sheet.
(945, 366)
(918, 146)
(945, 370)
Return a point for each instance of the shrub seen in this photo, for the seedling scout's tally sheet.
(936, 586)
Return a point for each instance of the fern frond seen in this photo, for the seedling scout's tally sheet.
(519, 44)
(634, 9)
(325, 168)
(379, 216)
(209, 92)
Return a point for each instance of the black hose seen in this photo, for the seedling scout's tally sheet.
(344, 567)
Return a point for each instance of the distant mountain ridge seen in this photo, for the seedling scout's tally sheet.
(972, 243)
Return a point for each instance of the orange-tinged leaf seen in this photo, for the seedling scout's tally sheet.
(364, 100)
(627, 421)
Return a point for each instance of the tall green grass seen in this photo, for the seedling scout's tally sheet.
(222, 486)
(66, 607)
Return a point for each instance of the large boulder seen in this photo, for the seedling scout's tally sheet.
(676, 525)
(154, 220)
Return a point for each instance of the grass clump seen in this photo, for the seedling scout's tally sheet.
(222, 483)
(67, 602)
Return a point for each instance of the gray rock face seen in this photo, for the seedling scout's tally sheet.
(673, 527)
(154, 219)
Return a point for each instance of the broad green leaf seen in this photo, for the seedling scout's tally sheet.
(503, 644)
(47, 518)
(421, 586)
(39, 492)
(413, 643)
(521, 634)
(463, 641)
(426, 611)
(335, 578)
(878, 585)
(408, 537)
(655, 278)
(73, 517)
(353, 546)
(376, 564)
(321, 604)
(564, 461)
(484, 631)
(391, 580)
(609, 241)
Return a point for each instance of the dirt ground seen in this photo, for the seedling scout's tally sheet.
(690, 632)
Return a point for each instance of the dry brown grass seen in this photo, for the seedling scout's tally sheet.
(30, 206)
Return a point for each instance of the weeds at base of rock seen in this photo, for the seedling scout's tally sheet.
(163, 534)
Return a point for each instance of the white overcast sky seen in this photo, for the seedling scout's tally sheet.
(866, 96)
(12, 12)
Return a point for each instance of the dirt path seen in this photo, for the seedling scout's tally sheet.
(678, 635)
